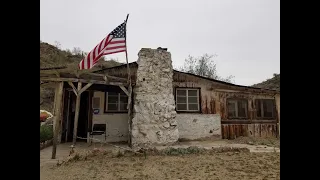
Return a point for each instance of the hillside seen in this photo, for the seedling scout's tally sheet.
(51, 56)
(272, 83)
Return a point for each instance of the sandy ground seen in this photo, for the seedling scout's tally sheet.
(271, 142)
(223, 166)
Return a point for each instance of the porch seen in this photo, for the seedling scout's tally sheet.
(80, 111)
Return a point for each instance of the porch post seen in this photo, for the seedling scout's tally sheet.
(76, 117)
(57, 114)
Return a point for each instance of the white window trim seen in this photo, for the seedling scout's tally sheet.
(187, 98)
(107, 110)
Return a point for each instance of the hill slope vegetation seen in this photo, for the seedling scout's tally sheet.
(52, 56)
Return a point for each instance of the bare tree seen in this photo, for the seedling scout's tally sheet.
(57, 44)
(76, 51)
(204, 66)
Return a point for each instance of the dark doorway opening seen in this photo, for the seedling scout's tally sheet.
(69, 114)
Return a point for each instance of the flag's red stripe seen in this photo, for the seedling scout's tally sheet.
(81, 64)
(100, 49)
(88, 60)
(102, 42)
(116, 42)
(94, 52)
(114, 52)
(116, 47)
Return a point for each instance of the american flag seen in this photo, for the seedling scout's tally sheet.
(115, 42)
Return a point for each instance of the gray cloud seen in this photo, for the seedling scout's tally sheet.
(245, 34)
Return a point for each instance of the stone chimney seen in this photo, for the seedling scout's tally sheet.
(154, 112)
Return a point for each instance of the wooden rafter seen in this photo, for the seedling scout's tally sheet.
(84, 88)
(124, 90)
(81, 80)
(73, 88)
(108, 76)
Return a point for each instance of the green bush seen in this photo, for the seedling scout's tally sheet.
(181, 151)
(46, 133)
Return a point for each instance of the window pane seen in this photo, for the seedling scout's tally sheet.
(112, 99)
(112, 107)
(181, 106)
(192, 92)
(268, 108)
(231, 109)
(193, 107)
(112, 94)
(181, 92)
(258, 107)
(122, 93)
(192, 100)
(123, 99)
(242, 108)
(123, 106)
(181, 99)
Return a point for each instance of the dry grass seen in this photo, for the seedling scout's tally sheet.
(272, 142)
(195, 164)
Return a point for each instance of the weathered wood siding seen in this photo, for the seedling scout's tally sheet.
(214, 94)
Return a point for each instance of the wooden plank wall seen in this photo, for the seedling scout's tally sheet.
(232, 131)
(213, 97)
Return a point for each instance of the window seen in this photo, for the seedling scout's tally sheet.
(237, 108)
(116, 102)
(187, 99)
(265, 108)
(96, 103)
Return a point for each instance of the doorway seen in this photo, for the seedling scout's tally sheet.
(69, 114)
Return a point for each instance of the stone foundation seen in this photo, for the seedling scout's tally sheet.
(154, 112)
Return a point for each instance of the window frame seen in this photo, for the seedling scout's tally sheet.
(114, 111)
(93, 102)
(274, 112)
(237, 108)
(198, 99)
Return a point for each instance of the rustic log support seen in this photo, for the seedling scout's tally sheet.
(84, 88)
(76, 117)
(73, 88)
(106, 76)
(57, 112)
(124, 90)
(82, 81)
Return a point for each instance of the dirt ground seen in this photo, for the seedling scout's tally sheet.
(273, 142)
(215, 165)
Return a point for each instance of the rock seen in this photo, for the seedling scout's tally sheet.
(251, 143)
(154, 112)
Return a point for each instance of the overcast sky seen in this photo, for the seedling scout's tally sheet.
(245, 34)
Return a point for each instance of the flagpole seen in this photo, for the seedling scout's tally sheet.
(129, 87)
(129, 75)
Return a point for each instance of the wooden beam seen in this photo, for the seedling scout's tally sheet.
(76, 117)
(82, 81)
(124, 90)
(57, 111)
(108, 76)
(84, 88)
(67, 123)
(61, 117)
(48, 84)
(73, 88)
